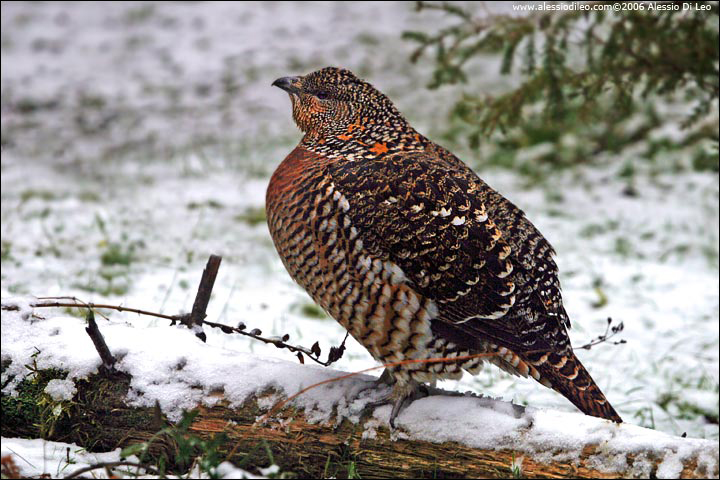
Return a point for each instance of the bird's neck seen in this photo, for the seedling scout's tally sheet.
(365, 139)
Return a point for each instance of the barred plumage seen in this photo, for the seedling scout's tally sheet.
(410, 251)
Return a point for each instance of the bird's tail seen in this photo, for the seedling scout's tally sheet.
(564, 373)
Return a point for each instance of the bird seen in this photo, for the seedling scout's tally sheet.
(412, 253)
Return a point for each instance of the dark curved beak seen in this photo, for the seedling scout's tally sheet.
(289, 84)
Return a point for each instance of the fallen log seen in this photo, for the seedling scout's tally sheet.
(102, 418)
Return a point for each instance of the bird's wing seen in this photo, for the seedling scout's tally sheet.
(428, 216)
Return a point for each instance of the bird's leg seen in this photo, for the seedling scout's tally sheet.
(384, 380)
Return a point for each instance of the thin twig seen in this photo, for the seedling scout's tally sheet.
(74, 299)
(148, 468)
(92, 306)
(281, 342)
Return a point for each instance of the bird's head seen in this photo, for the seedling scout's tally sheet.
(331, 100)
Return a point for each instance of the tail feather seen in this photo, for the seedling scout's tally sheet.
(565, 374)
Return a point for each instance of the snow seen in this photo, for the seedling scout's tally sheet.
(479, 423)
(57, 459)
(146, 133)
(271, 470)
(37, 457)
(60, 390)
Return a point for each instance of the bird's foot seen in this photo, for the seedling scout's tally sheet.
(402, 395)
(358, 390)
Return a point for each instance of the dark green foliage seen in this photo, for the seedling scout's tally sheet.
(30, 412)
(583, 72)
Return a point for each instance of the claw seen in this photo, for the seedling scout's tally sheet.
(400, 398)
(416, 391)
(384, 380)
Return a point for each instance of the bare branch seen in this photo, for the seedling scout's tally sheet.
(203, 295)
(92, 329)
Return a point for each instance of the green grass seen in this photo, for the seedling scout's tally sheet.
(117, 254)
(139, 14)
(313, 311)
(623, 247)
(214, 204)
(705, 161)
(44, 195)
(602, 299)
(516, 467)
(253, 216)
(686, 410)
(5, 254)
(32, 410)
(74, 312)
(31, 105)
(106, 289)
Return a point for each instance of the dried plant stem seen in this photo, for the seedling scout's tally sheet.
(77, 303)
(108, 465)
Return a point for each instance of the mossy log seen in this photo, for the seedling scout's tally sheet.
(99, 419)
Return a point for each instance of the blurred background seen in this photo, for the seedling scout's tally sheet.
(138, 138)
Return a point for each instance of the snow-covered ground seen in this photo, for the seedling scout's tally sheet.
(36, 457)
(138, 138)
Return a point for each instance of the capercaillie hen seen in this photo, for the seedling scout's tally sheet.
(405, 246)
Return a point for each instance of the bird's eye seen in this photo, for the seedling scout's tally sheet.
(322, 95)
